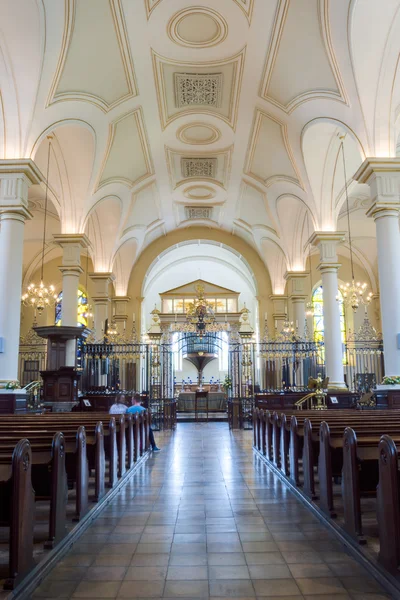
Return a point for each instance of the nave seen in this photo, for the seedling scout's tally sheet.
(207, 519)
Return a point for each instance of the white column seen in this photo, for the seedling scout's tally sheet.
(327, 243)
(101, 300)
(16, 176)
(383, 177)
(296, 283)
(71, 270)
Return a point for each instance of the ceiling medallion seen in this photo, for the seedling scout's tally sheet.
(198, 133)
(199, 192)
(197, 27)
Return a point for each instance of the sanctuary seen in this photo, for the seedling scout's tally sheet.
(199, 207)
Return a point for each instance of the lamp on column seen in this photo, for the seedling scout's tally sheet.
(40, 295)
(353, 292)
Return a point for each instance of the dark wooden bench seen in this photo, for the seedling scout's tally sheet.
(61, 452)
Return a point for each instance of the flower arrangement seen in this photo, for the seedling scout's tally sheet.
(227, 383)
(12, 385)
(393, 380)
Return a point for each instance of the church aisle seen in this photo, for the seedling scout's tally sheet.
(207, 519)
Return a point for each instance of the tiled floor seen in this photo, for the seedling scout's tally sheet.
(207, 519)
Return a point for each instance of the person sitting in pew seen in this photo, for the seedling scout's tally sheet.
(138, 408)
(119, 407)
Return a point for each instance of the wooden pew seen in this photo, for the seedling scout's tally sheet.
(18, 514)
(57, 454)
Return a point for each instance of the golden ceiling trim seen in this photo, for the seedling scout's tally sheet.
(176, 182)
(144, 143)
(150, 5)
(272, 53)
(238, 64)
(254, 138)
(214, 137)
(125, 53)
(247, 7)
(177, 18)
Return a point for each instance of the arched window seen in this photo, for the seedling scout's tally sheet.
(318, 318)
(81, 309)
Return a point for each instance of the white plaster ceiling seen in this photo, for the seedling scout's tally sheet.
(128, 88)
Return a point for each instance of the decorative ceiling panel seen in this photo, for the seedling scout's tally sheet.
(199, 167)
(127, 157)
(211, 87)
(213, 167)
(197, 27)
(269, 157)
(95, 64)
(198, 212)
(198, 89)
(198, 132)
(301, 39)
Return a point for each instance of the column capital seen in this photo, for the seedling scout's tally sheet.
(75, 239)
(71, 243)
(296, 283)
(73, 270)
(280, 309)
(383, 177)
(383, 209)
(121, 307)
(16, 177)
(101, 283)
(327, 242)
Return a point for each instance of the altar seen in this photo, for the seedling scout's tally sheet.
(214, 401)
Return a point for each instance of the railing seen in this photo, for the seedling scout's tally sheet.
(33, 391)
(240, 413)
(163, 414)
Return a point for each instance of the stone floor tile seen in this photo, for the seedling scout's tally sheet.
(228, 572)
(269, 572)
(320, 585)
(276, 587)
(186, 573)
(236, 588)
(141, 589)
(189, 589)
(150, 573)
(226, 559)
(310, 570)
(97, 589)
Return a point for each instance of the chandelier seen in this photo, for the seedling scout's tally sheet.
(200, 312)
(354, 293)
(40, 295)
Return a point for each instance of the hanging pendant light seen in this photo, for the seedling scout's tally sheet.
(309, 305)
(88, 314)
(40, 295)
(354, 293)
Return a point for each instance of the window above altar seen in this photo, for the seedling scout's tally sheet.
(178, 300)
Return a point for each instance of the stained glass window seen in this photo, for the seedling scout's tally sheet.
(81, 320)
(81, 309)
(318, 319)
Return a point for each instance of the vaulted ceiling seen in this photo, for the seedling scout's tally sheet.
(172, 113)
